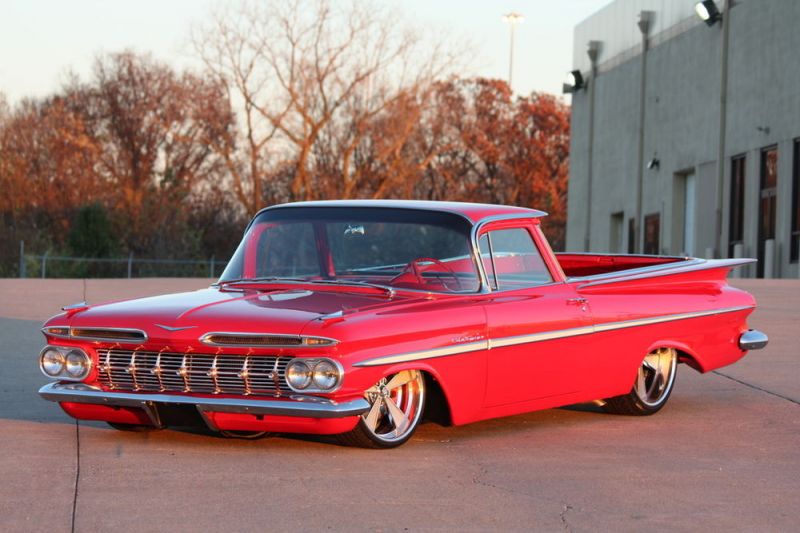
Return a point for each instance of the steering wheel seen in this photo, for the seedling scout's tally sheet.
(413, 268)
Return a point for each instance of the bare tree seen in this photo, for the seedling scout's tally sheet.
(310, 78)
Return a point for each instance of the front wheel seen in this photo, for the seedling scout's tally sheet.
(396, 405)
(652, 387)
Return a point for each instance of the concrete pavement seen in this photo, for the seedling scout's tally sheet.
(721, 454)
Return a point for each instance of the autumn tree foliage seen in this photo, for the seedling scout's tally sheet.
(153, 128)
(298, 100)
(47, 167)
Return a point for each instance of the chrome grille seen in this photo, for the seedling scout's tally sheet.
(136, 370)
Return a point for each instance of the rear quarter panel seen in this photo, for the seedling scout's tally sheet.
(706, 342)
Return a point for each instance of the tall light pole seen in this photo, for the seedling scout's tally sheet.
(512, 19)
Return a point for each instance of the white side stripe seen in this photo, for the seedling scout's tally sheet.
(539, 337)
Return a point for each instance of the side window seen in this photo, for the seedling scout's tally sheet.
(515, 262)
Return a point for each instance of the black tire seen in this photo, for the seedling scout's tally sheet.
(135, 428)
(247, 435)
(652, 387)
(377, 428)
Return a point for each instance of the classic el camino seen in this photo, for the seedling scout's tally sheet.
(363, 318)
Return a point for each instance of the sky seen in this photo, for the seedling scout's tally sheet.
(41, 41)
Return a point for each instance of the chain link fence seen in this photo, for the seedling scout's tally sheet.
(59, 266)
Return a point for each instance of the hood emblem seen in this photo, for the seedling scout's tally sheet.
(179, 328)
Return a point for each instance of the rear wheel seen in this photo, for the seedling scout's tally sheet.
(652, 387)
(396, 405)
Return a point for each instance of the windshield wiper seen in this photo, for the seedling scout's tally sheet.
(256, 280)
(389, 290)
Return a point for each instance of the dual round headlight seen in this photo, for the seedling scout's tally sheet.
(65, 363)
(313, 375)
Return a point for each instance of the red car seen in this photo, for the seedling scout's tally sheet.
(362, 318)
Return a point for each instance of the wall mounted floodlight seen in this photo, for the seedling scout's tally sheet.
(575, 83)
(645, 22)
(708, 12)
(654, 164)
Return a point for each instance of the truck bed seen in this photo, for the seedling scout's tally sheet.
(583, 265)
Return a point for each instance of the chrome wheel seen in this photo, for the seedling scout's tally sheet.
(656, 376)
(651, 388)
(396, 405)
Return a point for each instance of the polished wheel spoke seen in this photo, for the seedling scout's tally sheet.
(399, 380)
(395, 406)
(373, 415)
(641, 383)
(399, 418)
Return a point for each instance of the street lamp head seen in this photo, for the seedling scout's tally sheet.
(708, 12)
(513, 18)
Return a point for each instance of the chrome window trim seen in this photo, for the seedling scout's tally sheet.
(542, 336)
(485, 287)
(69, 335)
(204, 339)
(472, 242)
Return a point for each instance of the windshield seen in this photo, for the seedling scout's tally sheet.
(400, 248)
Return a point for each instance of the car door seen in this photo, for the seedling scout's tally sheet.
(534, 319)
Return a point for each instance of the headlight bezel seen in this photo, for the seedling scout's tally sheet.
(65, 352)
(313, 386)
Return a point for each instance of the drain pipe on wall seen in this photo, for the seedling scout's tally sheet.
(723, 114)
(645, 21)
(592, 51)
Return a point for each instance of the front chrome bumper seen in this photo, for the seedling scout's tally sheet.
(299, 406)
(752, 339)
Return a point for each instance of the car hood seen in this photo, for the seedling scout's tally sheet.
(184, 317)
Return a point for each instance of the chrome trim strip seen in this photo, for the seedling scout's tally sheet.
(72, 307)
(426, 354)
(542, 336)
(204, 339)
(144, 338)
(316, 408)
(598, 328)
(539, 337)
(753, 339)
(664, 269)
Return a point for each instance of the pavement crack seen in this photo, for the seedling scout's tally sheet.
(756, 387)
(77, 472)
(565, 508)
